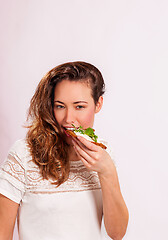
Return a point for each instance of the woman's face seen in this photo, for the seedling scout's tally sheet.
(74, 104)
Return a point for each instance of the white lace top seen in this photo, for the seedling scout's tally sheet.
(46, 212)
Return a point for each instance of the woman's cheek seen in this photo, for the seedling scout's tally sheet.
(88, 119)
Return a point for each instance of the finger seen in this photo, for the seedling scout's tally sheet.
(93, 154)
(91, 146)
(75, 141)
(83, 150)
(83, 154)
(88, 165)
(85, 162)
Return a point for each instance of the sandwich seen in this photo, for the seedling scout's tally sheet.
(88, 134)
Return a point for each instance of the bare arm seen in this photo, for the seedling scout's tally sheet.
(8, 214)
(114, 207)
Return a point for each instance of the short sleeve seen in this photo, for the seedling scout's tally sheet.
(12, 176)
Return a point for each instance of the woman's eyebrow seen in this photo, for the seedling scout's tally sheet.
(73, 102)
(59, 102)
(79, 102)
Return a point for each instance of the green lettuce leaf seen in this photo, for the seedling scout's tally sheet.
(89, 131)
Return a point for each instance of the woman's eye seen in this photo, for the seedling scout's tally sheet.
(80, 107)
(59, 106)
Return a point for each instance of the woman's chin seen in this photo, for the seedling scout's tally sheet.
(69, 140)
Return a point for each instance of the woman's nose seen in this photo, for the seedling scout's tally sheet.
(69, 117)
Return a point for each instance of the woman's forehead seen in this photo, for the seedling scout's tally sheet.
(73, 86)
(71, 89)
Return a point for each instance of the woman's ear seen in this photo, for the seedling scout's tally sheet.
(99, 104)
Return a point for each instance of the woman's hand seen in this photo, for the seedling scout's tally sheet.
(114, 208)
(93, 157)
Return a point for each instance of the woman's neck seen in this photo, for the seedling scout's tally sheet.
(72, 154)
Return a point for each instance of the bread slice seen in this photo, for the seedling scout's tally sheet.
(73, 134)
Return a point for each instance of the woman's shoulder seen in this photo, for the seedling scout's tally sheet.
(13, 171)
(19, 149)
(19, 144)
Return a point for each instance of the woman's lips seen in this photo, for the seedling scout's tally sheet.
(67, 134)
(67, 128)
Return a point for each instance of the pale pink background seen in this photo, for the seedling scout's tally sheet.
(127, 41)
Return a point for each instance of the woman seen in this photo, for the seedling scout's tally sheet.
(62, 187)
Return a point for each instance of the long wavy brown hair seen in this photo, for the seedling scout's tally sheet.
(47, 144)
